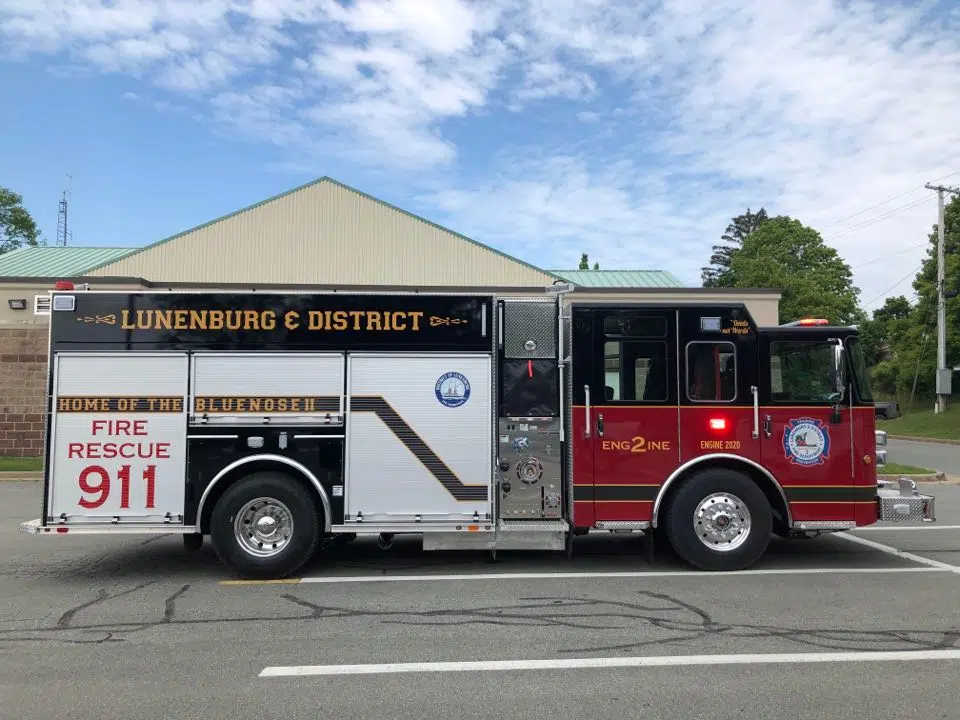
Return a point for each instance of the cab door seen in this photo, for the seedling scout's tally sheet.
(806, 430)
(630, 414)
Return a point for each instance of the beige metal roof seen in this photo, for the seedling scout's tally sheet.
(325, 233)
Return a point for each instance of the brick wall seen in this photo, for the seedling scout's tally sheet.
(23, 378)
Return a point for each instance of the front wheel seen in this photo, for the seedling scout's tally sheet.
(719, 520)
(265, 526)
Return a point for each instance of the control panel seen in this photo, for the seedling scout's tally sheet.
(530, 468)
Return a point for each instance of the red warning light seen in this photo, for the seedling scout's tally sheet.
(814, 321)
(718, 423)
(63, 285)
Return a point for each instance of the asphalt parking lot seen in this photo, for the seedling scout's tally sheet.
(122, 627)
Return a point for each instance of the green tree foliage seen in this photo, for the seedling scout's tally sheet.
(17, 227)
(912, 338)
(785, 254)
(888, 323)
(585, 263)
(717, 273)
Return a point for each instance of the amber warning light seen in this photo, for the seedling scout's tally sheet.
(814, 321)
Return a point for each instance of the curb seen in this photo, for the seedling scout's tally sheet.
(910, 438)
(22, 476)
(924, 478)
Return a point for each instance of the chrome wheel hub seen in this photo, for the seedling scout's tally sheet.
(263, 527)
(722, 522)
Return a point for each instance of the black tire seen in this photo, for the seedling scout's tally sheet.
(288, 499)
(684, 533)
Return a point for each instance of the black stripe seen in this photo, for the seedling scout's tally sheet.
(841, 493)
(614, 493)
(415, 444)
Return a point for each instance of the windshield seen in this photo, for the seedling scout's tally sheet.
(861, 375)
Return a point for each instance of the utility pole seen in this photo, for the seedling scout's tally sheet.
(944, 376)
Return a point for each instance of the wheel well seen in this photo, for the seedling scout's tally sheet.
(769, 487)
(227, 480)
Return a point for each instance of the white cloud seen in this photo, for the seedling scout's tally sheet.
(630, 130)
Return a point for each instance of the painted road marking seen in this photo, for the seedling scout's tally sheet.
(906, 527)
(333, 579)
(609, 662)
(900, 553)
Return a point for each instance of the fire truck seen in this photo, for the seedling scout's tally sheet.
(276, 423)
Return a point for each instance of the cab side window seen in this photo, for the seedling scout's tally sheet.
(635, 371)
(801, 371)
(712, 372)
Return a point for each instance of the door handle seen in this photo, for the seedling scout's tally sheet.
(586, 424)
(768, 426)
(600, 424)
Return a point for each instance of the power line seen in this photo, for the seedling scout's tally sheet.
(894, 286)
(895, 197)
(878, 218)
(889, 255)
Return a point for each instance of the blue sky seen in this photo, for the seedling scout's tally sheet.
(633, 130)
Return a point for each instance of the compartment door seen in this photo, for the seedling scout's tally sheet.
(419, 438)
(280, 388)
(118, 438)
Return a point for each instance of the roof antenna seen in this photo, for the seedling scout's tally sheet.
(62, 231)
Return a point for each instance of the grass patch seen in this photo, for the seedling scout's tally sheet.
(898, 469)
(21, 464)
(926, 424)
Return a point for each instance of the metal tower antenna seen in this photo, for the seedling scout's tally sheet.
(63, 234)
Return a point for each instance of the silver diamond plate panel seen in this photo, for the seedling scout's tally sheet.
(898, 508)
(823, 525)
(525, 322)
(533, 525)
(622, 525)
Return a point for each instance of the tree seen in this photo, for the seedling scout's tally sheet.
(717, 274)
(17, 227)
(815, 281)
(585, 263)
(913, 340)
(877, 334)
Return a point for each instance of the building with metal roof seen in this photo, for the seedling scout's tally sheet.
(43, 261)
(624, 279)
(320, 236)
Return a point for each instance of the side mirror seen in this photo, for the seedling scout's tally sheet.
(840, 367)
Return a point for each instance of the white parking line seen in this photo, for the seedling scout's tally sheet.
(332, 579)
(885, 528)
(900, 553)
(608, 662)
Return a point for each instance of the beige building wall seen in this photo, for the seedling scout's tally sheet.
(764, 306)
(28, 293)
(325, 234)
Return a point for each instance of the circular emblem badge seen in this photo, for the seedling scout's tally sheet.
(452, 389)
(806, 442)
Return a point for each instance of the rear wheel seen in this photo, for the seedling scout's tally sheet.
(719, 519)
(265, 526)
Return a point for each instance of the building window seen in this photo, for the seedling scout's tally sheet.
(801, 372)
(635, 371)
(712, 372)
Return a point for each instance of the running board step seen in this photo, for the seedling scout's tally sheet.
(533, 526)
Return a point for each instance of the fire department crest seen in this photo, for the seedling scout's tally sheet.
(806, 441)
(452, 389)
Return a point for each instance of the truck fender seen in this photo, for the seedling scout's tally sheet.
(274, 459)
(729, 461)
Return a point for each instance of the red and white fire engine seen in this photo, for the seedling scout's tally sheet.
(276, 422)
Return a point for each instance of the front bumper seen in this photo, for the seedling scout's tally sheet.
(900, 500)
